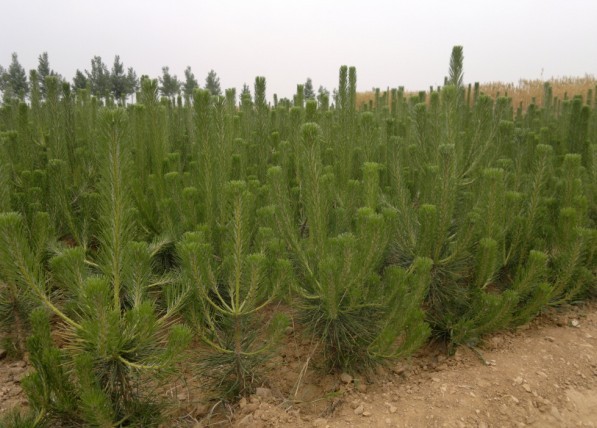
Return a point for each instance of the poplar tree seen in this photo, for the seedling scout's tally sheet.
(190, 83)
(3, 80)
(16, 84)
(80, 81)
(169, 84)
(118, 80)
(99, 78)
(212, 83)
(308, 88)
(131, 82)
(43, 71)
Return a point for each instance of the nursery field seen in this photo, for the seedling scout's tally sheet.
(184, 260)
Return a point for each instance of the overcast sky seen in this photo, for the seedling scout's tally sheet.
(392, 43)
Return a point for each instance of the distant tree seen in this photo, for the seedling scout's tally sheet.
(80, 81)
(212, 83)
(118, 80)
(3, 79)
(16, 80)
(99, 78)
(309, 91)
(43, 71)
(132, 82)
(169, 84)
(34, 91)
(190, 83)
(335, 96)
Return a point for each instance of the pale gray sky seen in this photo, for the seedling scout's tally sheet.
(391, 43)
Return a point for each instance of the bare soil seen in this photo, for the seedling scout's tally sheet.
(542, 375)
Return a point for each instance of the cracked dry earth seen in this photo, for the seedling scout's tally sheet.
(541, 375)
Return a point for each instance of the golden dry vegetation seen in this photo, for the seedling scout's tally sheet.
(524, 91)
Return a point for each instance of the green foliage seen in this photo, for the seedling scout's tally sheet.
(456, 73)
(43, 71)
(344, 300)
(169, 84)
(445, 213)
(113, 328)
(309, 91)
(16, 418)
(212, 83)
(15, 80)
(98, 78)
(190, 83)
(122, 83)
(229, 293)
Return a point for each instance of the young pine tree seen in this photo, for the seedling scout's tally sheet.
(115, 334)
(355, 311)
(230, 291)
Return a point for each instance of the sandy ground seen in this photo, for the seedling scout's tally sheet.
(541, 375)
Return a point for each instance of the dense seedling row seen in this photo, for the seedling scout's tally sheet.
(126, 233)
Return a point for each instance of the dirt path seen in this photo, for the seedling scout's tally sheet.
(543, 375)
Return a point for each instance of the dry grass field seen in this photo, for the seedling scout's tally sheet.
(524, 91)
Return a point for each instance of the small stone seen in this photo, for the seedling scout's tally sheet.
(247, 421)
(555, 413)
(526, 387)
(263, 392)
(242, 403)
(542, 374)
(518, 380)
(182, 396)
(550, 338)
(516, 400)
(483, 383)
(575, 323)
(393, 409)
(366, 414)
(388, 421)
(346, 378)
(359, 410)
(435, 379)
(399, 369)
(362, 387)
(251, 407)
